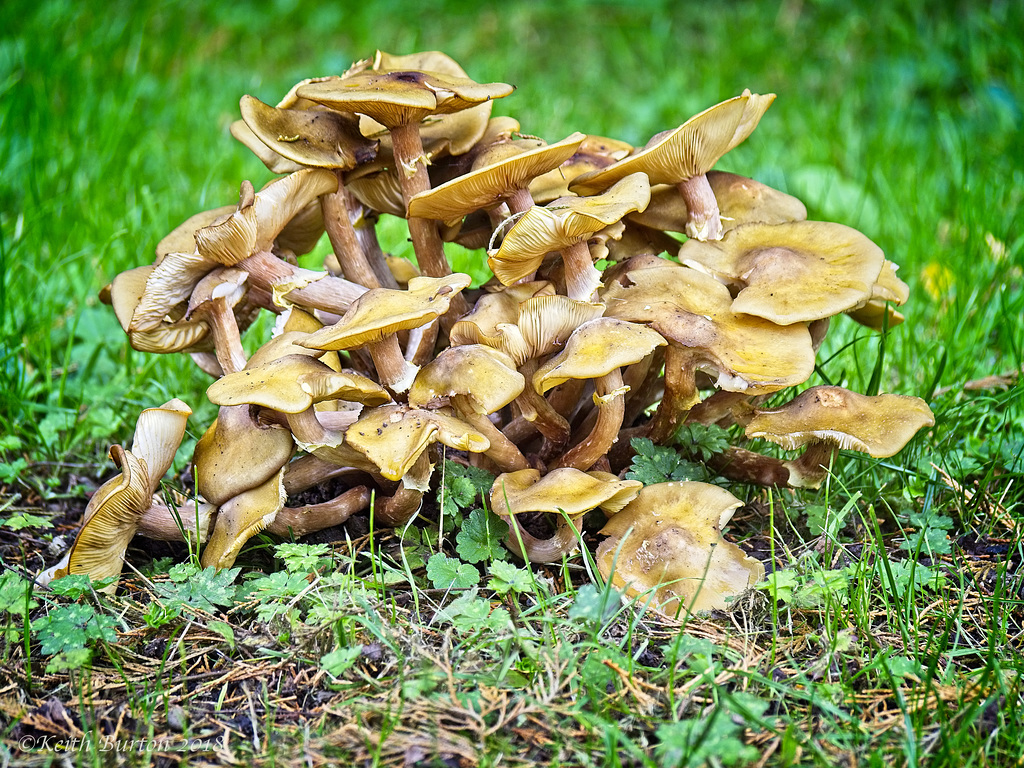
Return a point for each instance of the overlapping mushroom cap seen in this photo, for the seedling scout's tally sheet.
(666, 546)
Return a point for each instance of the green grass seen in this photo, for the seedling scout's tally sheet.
(901, 121)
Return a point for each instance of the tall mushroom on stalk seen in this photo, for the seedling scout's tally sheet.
(399, 100)
(683, 156)
(666, 547)
(828, 419)
(564, 225)
(565, 491)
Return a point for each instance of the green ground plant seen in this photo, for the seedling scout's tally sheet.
(889, 628)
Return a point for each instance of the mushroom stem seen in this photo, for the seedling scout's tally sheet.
(582, 279)
(307, 429)
(309, 470)
(503, 452)
(704, 220)
(563, 541)
(679, 397)
(610, 401)
(355, 262)
(426, 240)
(158, 522)
(298, 521)
(322, 291)
(227, 341)
(394, 371)
(519, 200)
(812, 467)
(536, 409)
(743, 466)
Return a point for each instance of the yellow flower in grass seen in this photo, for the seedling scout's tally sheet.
(937, 280)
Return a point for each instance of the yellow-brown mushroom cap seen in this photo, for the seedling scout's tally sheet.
(669, 540)
(791, 272)
(879, 425)
(485, 377)
(566, 490)
(487, 185)
(382, 311)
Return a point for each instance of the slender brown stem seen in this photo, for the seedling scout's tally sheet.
(355, 265)
(704, 220)
(298, 521)
(324, 292)
(582, 279)
(610, 411)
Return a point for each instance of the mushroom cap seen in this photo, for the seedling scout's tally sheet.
(483, 376)
(669, 540)
(399, 97)
(566, 490)
(597, 348)
(182, 239)
(792, 272)
(318, 138)
(594, 153)
(564, 222)
(693, 311)
(878, 313)
(394, 437)
(381, 312)
(687, 151)
(292, 384)
(236, 454)
(879, 425)
(486, 185)
(542, 325)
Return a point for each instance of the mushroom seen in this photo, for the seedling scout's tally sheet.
(597, 350)
(564, 225)
(827, 419)
(693, 311)
(241, 517)
(213, 300)
(684, 155)
(112, 516)
(667, 547)
(292, 385)
(399, 100)
(477, 380)
(323, 138)
(565, 491)
(792, 272)
(377, 316)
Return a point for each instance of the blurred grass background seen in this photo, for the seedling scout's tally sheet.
(903, 120)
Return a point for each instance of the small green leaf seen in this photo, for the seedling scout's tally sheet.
(70, 627)
(25, 520)
(76, 585)
(594, 606)
(339, 660)
(13, 591)
(225, 630)
(448, 573)
(654, 464)
(303, 558)
(507, 577)
(199, 589)
(480, 537)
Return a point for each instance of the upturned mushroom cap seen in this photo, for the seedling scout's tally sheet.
(381, 312)
(491, 182)
(793, 272)
(394, 437)
(878, 313)
(317, 138)
(669, 540)
(113, 513)
(690, 150)
(594, 153)
(879, 425)
(597, 348)
(399, 97)
(564, 222)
